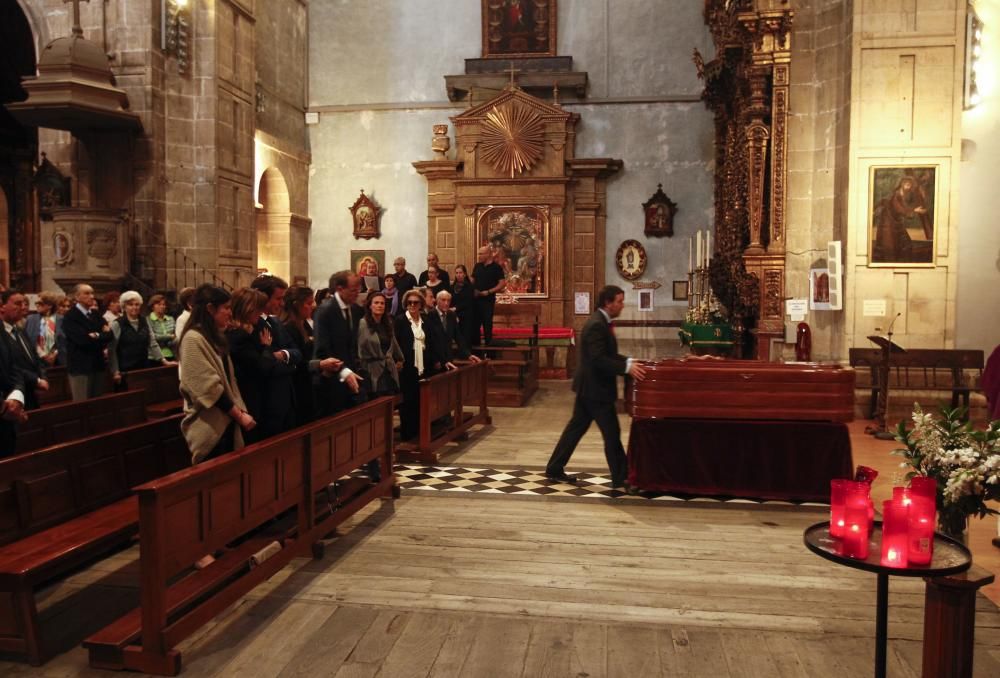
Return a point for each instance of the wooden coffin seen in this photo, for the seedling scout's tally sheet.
(699, 388)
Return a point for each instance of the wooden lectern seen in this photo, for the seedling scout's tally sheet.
(882, 410)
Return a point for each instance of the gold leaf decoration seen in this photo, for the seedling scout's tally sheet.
(512, 138)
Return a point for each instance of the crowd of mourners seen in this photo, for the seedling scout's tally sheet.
(257, 361)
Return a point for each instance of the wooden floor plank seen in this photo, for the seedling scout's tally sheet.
(549, 652)
(332, 643)
(450, 660)
(373, 647)
(414, 653)
(499, 648)
(632, 651)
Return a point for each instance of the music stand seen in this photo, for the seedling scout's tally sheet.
(882, 409)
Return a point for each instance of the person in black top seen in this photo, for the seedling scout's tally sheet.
(12, 410)
(297, 320)
(463, 301)
(338, 386)
(87, 335)
(134, 346)
(443, 321)
(488, 279)
(13, 308)
(432, 262)
(596, 386)
(405, 281)
(279, 402)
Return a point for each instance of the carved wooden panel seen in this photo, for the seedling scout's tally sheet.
(225, 504)
(262, 483)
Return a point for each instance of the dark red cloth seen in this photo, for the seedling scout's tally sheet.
(787, 460)
(991, 383)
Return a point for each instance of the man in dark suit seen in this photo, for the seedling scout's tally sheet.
(442, 320)
(12, 410)
(336, 321)
(13, 309)
(278, 393)
(87, 335)
(596, 387)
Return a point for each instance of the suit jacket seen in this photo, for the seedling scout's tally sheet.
(264, 381)
(10, 380)
(27, 362)
(334, 338)
(433, 351)
(600, 364)
(85, 354)
(447, 335)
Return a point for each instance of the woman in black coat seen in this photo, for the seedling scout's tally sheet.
(463, 300)
(422, 358)
(297, 319)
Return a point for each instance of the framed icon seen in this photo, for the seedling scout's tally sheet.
(366, 215)
(630, 259)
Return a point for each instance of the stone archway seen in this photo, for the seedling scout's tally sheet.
(20, 251)
(274, 224)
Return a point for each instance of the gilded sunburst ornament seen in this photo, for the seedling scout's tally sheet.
(512, 138)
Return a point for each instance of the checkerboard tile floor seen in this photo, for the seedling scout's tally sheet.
(415, 478)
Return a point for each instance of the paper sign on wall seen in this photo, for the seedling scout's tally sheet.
(797, 308)
(581, 303)
(873, 307)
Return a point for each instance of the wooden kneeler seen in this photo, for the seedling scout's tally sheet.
(238, 496)
(950, 623)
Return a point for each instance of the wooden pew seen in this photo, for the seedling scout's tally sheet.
(59, 391)
(63, 422)
(66, 505)
(459, 394)
(162, 387)
(205, 508)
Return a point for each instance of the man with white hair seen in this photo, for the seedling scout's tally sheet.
(443, 321)
(87, 335)
(405, 281)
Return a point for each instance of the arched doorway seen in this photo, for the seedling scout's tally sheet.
(274, 221)
(19, 246)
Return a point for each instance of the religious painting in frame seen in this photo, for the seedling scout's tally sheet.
(519, 28)
(365, 214)
(368, 263)
(630, 259)
(518, 236)
(902, 203)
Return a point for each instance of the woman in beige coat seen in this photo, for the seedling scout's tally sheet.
(214, 413)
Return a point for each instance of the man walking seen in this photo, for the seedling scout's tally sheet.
(596, 387)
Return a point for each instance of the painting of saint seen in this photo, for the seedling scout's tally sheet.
(902, 215)
(517, 236)
(368, 264)
(519, 28)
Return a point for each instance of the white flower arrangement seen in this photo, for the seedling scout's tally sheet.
(965, 462)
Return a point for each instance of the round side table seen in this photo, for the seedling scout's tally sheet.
(950, 557)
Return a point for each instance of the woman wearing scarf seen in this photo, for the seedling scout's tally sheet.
(392, 296)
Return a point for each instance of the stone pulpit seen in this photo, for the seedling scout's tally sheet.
(516, 185)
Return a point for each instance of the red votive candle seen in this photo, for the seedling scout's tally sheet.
(902, 495)
(923, 517)
(854, 544)
(838, 495)
(895, 533)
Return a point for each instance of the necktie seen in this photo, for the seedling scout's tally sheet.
(347, 317)
(22, 343)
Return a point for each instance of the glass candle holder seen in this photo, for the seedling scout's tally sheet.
(838, 495)
(895, 533)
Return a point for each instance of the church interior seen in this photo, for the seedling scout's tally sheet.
(794, 200)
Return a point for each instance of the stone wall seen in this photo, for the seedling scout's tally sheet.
(906, 102)
(378, 98)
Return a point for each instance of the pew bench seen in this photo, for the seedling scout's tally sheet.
(67, 505)
(921, 372)
(236, 498)
(458, 400)
(514, 377)
(162, 387)
(63, 422)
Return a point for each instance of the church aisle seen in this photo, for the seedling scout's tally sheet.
(439, 585)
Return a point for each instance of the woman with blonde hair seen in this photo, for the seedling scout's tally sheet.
(214, 413)
(40, 327)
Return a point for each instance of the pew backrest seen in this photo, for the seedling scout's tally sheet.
(161, 384)
(49, 486)
(63, 422)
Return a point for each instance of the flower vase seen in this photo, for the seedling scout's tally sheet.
(954, 524)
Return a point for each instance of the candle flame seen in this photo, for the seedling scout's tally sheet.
(855, 528)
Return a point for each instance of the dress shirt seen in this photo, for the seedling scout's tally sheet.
(345, 371)
(266, 318)
(419, 342)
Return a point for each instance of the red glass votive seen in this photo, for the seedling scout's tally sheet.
(921, 531)
(903, 495)
(838, 495)
(854, 543)
(923, 486)
(895, 533)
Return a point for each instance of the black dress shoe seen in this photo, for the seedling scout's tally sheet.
(626, 488)
(561, 478)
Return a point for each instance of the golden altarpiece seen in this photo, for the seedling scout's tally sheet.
(746, 86)
(517, 186)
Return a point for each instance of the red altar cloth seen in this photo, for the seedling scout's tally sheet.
(785, 460)
(544, 333)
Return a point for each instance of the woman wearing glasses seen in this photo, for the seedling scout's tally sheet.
(421, 359)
